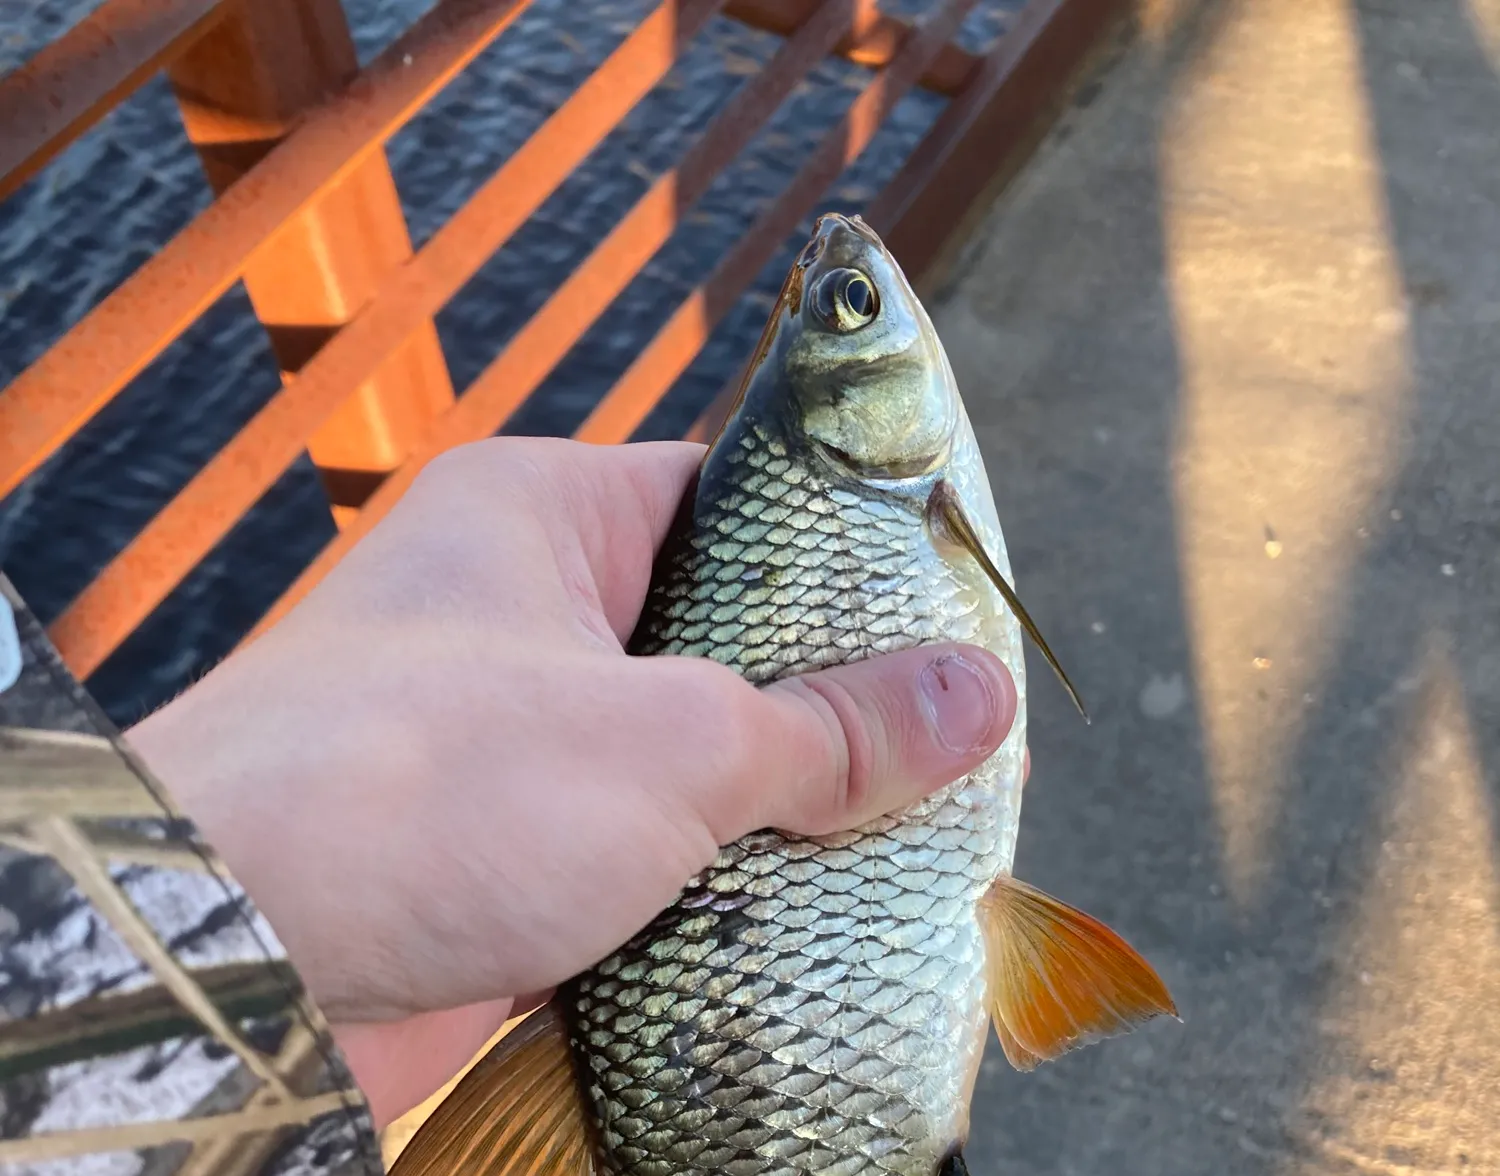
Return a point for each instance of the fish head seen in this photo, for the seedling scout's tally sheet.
(850, 368)
(866, 377)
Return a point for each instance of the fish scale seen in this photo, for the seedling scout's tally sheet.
(829, 1013)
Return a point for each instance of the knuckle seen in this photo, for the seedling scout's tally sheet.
(727, 701)
(710, 713)
(709, 705)
(477, 470)
(848, 750)
(457, 465)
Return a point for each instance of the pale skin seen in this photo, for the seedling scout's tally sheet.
(449, 789)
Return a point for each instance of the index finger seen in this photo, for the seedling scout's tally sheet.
(611, 507)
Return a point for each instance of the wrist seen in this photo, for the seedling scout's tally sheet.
(226, 764)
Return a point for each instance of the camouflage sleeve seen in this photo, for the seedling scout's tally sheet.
(150, 1023)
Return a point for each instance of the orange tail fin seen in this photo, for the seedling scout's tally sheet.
(1058, 978)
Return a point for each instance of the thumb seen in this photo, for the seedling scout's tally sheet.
(831, 750)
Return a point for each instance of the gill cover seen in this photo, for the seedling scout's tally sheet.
(863, 363)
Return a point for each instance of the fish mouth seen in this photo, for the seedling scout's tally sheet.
(830, 222)
(838, 240)
(890, 472)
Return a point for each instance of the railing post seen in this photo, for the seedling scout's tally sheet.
(241, 89)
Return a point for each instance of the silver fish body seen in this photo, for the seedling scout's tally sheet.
(812, 1005)
(817, 1006)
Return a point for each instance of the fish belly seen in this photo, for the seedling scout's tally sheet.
(808, 1005)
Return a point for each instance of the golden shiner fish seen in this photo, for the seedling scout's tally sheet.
(817, 1006)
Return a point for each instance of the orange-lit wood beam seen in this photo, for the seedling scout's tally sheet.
(203, 512)
(49, 401)
(484, 406)
(76, 80)
(872, 41)
(241, 89)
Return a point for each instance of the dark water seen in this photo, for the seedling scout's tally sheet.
(82, 226)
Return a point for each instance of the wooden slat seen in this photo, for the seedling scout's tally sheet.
(484, 407)
(976, 145)
(241, 90)
(200, 515)
(562, 321)
(70, 383)
(993, 110)
(76, 80)
(982, 139)
(668, 354)
(871, 41)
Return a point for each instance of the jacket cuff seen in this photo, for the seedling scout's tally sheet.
(149, 1020)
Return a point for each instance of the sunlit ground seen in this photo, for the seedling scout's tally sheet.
(1233, 346)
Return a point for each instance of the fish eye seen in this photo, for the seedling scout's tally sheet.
(845, 300)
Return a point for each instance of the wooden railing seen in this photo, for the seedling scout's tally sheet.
(291, 134)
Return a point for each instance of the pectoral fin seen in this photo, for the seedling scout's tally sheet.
(519, 1112)
(1060, 979)
(945, 514)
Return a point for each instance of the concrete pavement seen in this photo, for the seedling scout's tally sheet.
(1232, 344)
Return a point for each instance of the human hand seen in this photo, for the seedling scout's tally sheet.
(447, 787)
